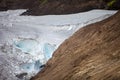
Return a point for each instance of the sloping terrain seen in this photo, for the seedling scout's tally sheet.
(92, 53)
(27, 42)
(16, 4)
(47, 7)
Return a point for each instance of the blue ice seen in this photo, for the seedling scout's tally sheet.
(27, 46)
(29, 67)
(37, 65)
(48, 50)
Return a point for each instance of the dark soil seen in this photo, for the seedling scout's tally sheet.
(15, 4)
(47, 7)
(64, 7)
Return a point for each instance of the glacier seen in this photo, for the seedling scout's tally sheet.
(48, 50)
(27, 46)
(28, 42)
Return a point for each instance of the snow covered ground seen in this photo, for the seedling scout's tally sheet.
(28, 42)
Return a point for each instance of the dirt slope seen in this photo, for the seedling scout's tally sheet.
(92, 53)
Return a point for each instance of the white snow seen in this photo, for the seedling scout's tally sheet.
(27, 42)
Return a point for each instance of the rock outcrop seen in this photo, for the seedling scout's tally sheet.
(92, 53)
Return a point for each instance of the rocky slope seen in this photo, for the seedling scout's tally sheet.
(47, 7)
(64, 6)
(92, 53)
(15, 4)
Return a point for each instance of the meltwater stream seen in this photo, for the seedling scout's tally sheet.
(28, 42)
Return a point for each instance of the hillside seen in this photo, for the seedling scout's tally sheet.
(45, 7)
(92, 53)
(16, 4)
(48, 7)
(27, 42)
